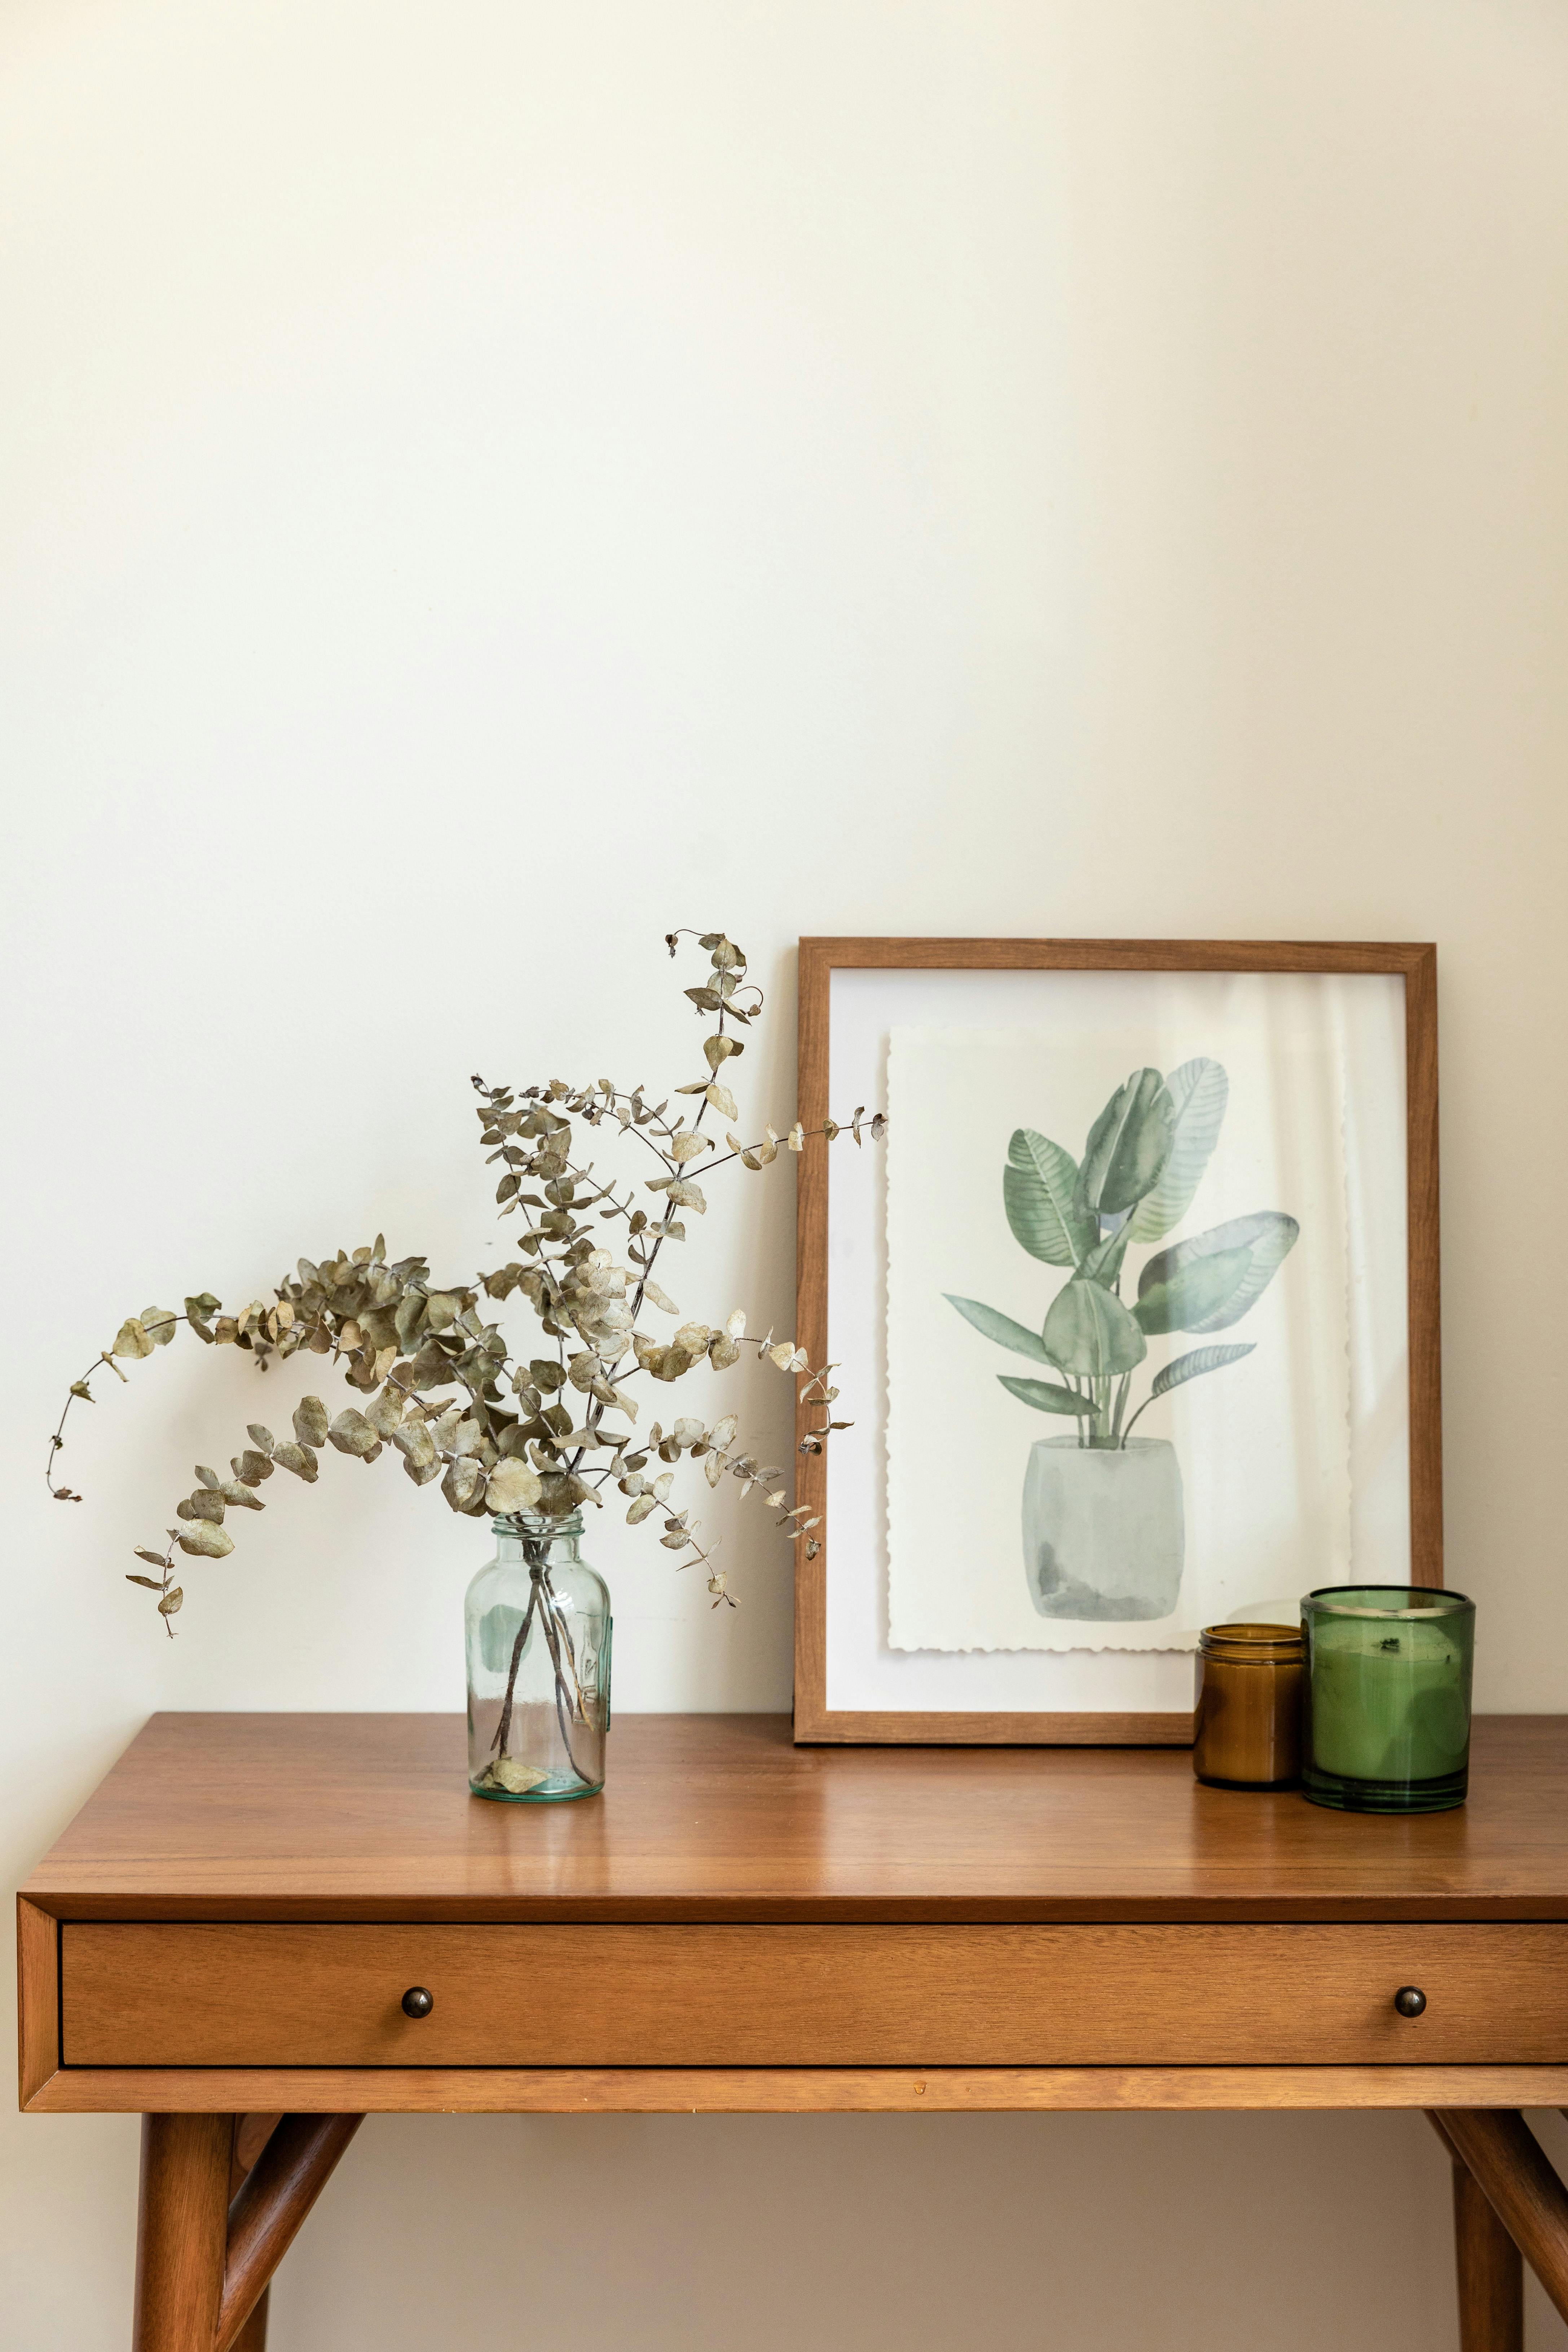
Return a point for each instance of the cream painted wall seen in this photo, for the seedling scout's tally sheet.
(481, 484)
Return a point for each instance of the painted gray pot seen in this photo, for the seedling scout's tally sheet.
(1103, 1532)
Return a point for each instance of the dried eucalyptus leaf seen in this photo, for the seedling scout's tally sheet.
(387, 1411)
(259, 1437)
(300, 1459)
(464, 1486)
(445, 1429)
(203, 1538)
(713, 1468)
(516, 1779)
(206, 1503)
(688, 1147)
(252, 1466)
(312, 1421)
(351, 1432)
(153, 1583)
(159, 1323)
(234, 1490)
(415, 1442)
(422, 1472)
(650, 1289)
(640, 1509)
(723, 1353)
(207, 1477)
(721, 1099)
(513, 1486)
(173, 1599)
(130, 1340)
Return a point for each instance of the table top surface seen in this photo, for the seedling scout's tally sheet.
(721, 1817)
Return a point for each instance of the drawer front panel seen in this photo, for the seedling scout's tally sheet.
(135, 1994)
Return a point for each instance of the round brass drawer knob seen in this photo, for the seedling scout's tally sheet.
(417, 2002)
(1409, 2000)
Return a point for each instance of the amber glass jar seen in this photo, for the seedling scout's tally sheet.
(1248, 1725)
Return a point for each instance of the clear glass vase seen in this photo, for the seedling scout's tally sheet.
(539, 1627)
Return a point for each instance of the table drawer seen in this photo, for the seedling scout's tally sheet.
(137, 1994)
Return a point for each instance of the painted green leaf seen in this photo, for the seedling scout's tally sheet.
(1195, 1362)
(1047, 1396)
(1181, 1298)
(1038, 1185)
(1128, 1145)
(1104, 1262)
(1199, 1091)
(1000, 1327)
(1091, 1332)
(1208, 1283)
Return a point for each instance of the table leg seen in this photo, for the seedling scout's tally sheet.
(278, 2192)
(1508, 2165)
(251, 2134)
(182, 2231)
(252, 2336)
(1490, 2273)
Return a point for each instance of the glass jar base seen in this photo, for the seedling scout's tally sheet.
(1345, 1796)
(556, 1790)
(1213, 1781)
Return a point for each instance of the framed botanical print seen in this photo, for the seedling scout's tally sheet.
(1139, 1304)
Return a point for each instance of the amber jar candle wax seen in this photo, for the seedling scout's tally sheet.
(1247, 1732)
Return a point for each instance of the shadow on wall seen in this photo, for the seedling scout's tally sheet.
(1090, 2233)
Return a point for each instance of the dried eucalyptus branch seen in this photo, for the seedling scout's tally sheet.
(504, 1435)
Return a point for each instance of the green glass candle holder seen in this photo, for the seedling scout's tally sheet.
(1386, 1727)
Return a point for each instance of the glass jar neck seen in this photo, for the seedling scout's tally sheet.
(1253, 1645)
(526, 1539)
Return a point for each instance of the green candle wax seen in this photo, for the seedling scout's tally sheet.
(1389, 1702)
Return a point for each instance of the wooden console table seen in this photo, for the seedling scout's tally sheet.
(262, 1928)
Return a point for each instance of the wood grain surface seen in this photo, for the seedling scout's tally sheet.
(268, 2210)
(344, 1817)
(249, 1994)
(181, 2231)
(795, 2090)
(819, 958)
(1511, 2167)
(1488, 2272)
(38, 1997)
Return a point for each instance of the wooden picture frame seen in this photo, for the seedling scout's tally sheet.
(1417, 964)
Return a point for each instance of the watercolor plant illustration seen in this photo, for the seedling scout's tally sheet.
(1108, 1542)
